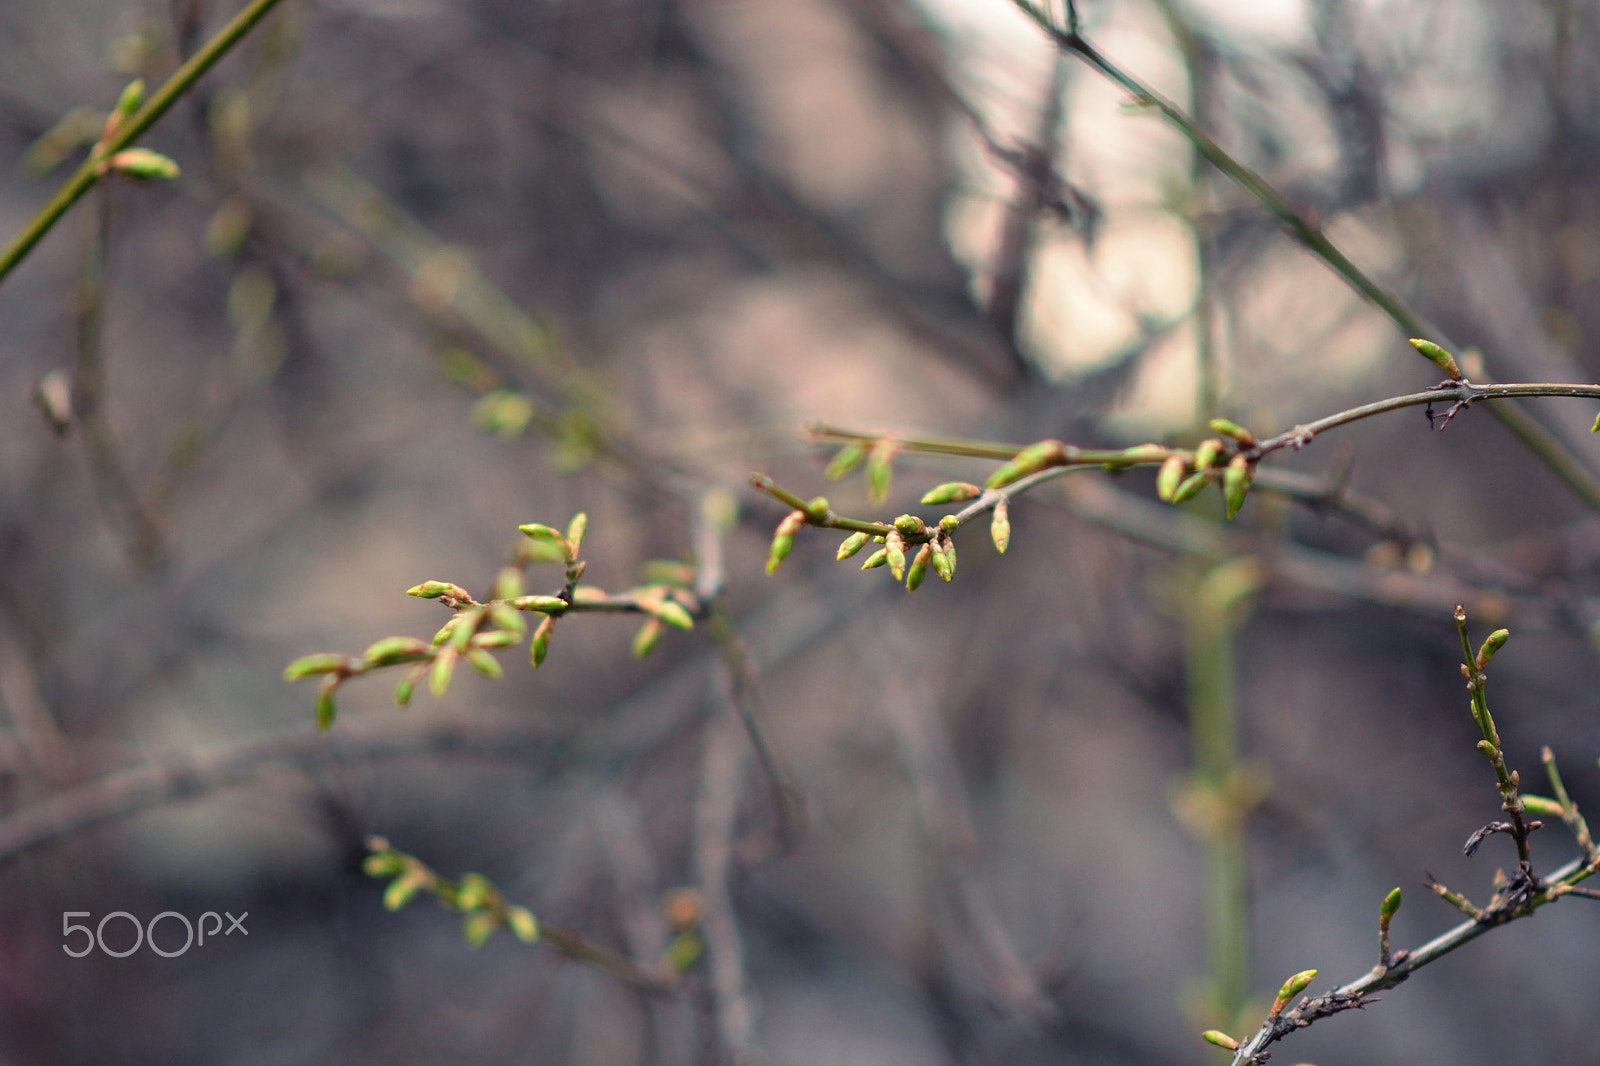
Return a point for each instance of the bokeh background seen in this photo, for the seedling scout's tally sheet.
(436, 269)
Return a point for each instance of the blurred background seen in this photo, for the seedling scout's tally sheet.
(436, 269)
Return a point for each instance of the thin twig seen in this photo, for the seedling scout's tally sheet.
(85, 177)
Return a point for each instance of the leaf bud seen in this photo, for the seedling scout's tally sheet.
(852, 544)
(951, 492)
(880, 469)
(391, 651)
(1206, 452)
(919, 567)
(1292, 988)
(309, 665)
(402, 888)
(646, 639)
(1389, 907)
(1031, 460)
(817, 509)
(1236, 483)
(910, 525)
(543, 604)
(1219, 1038)
(326, 707)
(522, 924)
(1494, 643)
(485, 664)
(404, 689)
(444, 668)
(845, 460)
(1191, 486)
(1437, 356)
(142, 164)
(1233, 431)
(540, 644)
(895, 545)
(1000, 527)
(949, 523)
(433, 590)
(944, 558)
(876, 559)
(1168, 478)
(575, 531)
(669, 611)
(1542, 805)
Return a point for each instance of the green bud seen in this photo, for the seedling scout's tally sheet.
(880, 469)
(404, 690)
(949, 523)
(309, 665)
(671, 612)
(142, 164)
(1190, 487)
(382, 864)
(845, 460)
(1170, 475)
(1143, 453)
(391, 651)
(1236, 483)
(575, 531)
(467, 623)
(1292, 988)
(522, 924)
(852, 544)
(402, 888)
(1031, 460)
(919, 567)
(496, 638)
(1596, 427)
(1219, 1038)
(1206, 452)
(1233, 431)
(1389, 907)
(817, 509)
(507, 617)
(1494, 643)
(443, 669)
(944, 559)
(474, 892)
(541, 532)
(876, 559)
(477, 928)
(485, 664)
(1437, 356)
(781, 545)
(543, 604)
(446, 630)
(131, 99)
(540, 644)
(1543, 806)
(507, 584)
(896, 547)
(1000, 527)
(910, 525)
(326, 707)
(1487, 750)
(646, 639)
(433, 590)
(951, 492)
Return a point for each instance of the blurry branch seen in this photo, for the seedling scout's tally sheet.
(128, 131)
(487, 910)
(1213, 805)
(943, 805)
(113, 489)
(196, 773)
(1516, 896)
(1548, 447)
(36, 730)
(716, 811)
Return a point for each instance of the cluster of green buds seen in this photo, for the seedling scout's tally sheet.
(141, 164)
(475, 630)
(878, 455)
(1182, 477)
(484, 907)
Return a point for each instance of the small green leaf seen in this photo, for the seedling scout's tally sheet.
(575, 531)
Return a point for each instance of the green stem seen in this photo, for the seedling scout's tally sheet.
(85, 177)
